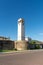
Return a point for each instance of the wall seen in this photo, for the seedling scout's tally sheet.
(6, 44)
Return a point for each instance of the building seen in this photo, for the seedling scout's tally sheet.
(6, 43)
(4, 38)
(21, 30)
(21, 43)
(28, 39)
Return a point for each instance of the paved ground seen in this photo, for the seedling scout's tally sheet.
(22, 58)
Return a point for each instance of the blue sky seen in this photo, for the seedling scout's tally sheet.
(30, 10)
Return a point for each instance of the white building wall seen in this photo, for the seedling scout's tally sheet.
(19, 31)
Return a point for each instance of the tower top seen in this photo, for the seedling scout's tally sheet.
(21, 20)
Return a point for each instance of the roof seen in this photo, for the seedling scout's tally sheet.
(4, 38)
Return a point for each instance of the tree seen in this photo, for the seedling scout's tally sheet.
(33, 42)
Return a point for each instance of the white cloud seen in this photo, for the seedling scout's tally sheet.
(40, 33)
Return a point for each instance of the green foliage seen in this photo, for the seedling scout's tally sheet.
(8, 50)
(38, 46)
(15, 49)
(5, 50)
(33, 42)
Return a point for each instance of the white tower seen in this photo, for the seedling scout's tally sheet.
(21, 32)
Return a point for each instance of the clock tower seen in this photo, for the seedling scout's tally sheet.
(21, 30)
